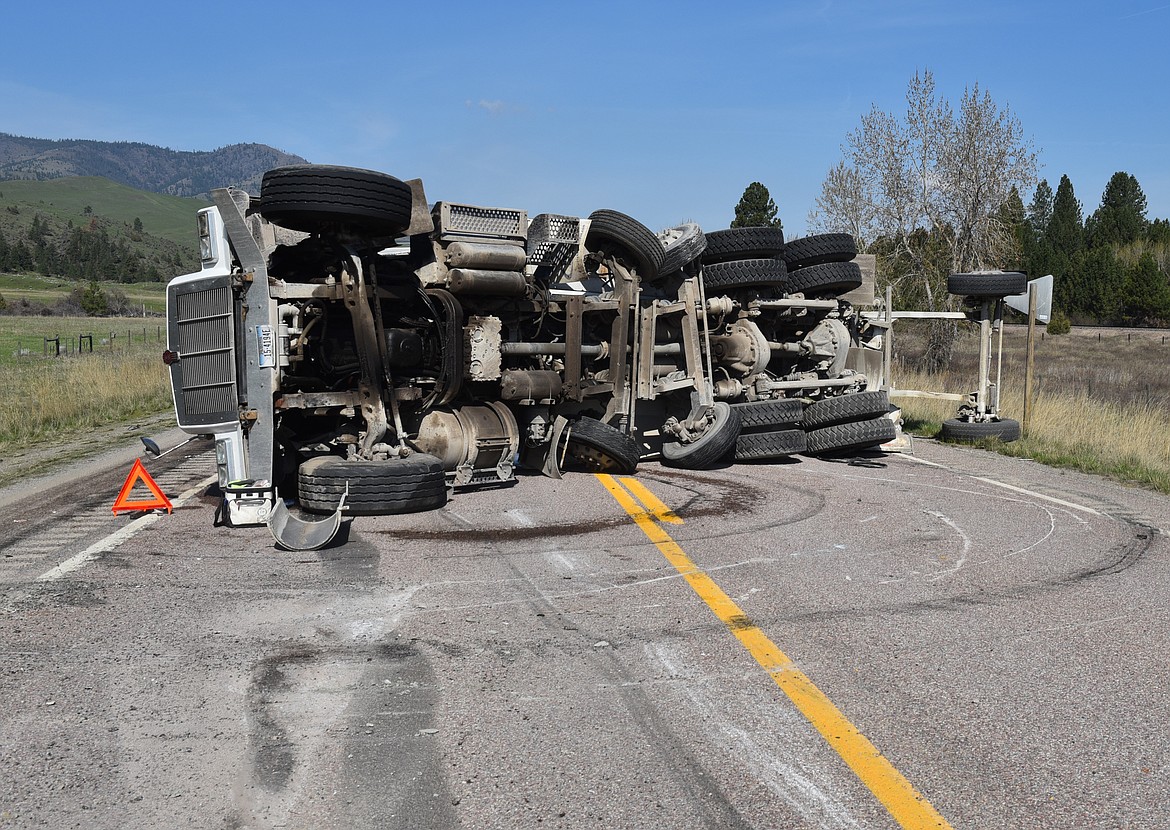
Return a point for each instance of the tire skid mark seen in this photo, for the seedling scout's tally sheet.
(904, 803)
(1118, 559)
(732, 498)
(806, 790)
(1122, 557)
(707, 796)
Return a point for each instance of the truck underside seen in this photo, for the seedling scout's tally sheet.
(353, 348)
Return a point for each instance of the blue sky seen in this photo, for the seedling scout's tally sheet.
(665, 111)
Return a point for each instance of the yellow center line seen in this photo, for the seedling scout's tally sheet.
(659, 510)
(907, 806)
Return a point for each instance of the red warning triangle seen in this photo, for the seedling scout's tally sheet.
(138, 473)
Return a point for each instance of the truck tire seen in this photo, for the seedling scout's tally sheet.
(613, 230)
(682, 245)
(744, 273)
(845, 408)
(827, 279)
(711, 447)
(318, 198)
(600, 448)
(760, 416)
(758, 446)
(855, 435)
(400, 485)
(816, 250)
(743, 243)
(956, 429)
(993, 286)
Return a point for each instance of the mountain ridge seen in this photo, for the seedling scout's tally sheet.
(188, 173)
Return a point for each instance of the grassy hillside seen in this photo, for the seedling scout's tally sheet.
(169, 217)
(92, 228)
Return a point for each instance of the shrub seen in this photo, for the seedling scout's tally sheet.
(1059, 323)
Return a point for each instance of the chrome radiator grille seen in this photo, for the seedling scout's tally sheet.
(201, 331)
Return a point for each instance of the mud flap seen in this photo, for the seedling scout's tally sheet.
(293, 533)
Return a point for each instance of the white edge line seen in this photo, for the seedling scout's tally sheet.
(118, 536)
(1013, 488)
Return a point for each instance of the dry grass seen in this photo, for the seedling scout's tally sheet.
(1102, 400)
(47, 398)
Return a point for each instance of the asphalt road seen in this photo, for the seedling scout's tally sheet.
(945, 639)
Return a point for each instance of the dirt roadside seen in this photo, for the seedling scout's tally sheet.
(50, 464)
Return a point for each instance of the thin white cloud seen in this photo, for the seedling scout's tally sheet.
(1147, 11)
(494, 107)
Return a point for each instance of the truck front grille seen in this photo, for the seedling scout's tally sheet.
(201, 330)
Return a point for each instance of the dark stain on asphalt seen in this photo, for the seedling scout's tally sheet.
(72, 594)
(740, 622)
(112, 560)
(720, 497)
(509, 534)
(273, 758)
(394, 761)
(395, 650)
(356, 560)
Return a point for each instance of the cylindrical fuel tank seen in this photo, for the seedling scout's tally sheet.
(484, 255)
(534, 385)
(480, 436)
(489, 283)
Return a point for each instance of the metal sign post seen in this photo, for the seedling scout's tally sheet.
(1033, 291)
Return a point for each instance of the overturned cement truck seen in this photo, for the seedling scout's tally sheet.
(356, 350)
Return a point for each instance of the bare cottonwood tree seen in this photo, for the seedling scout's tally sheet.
(926, 190)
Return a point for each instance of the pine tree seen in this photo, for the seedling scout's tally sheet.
(1145, 297)
(20, 257)
(93, 300)
(756, 209)
(1095, 282)
(1121, 219)
(1060, 248)
(1012, 216)
(36, 233)
(45, 259)
(1040, 211)
(1065, 231)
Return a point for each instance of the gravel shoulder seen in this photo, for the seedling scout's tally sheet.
(50, 464)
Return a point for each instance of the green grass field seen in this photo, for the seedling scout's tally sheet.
(23, 339)
(47, 290)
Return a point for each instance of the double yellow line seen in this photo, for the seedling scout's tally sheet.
(908, 807)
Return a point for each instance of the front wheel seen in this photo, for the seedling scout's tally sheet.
(626, 237)
(376, 488)
(599, 448)
(710, 447)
